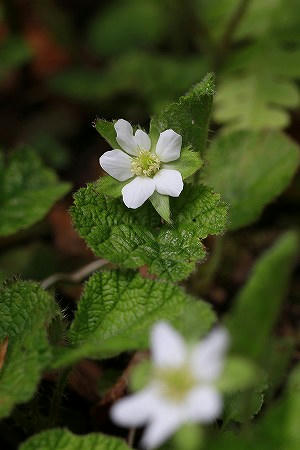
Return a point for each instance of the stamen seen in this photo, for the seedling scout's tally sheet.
(145, 164)
(177, 382)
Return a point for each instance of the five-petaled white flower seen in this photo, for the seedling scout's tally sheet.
(182, 389)
(148, 166)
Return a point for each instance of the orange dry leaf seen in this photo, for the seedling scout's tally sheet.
(49, 55)
(66, 238)
(3, 350)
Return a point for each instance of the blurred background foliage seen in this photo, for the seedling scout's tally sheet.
(64, 63)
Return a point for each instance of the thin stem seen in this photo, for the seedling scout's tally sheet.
(226, 39)
(57, 396)
(131, 437)
(211, 267)
(76, 276)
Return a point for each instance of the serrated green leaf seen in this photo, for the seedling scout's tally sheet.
(189, 116)
(134, 238)
(27, 191)
(242, 406)
(25, 311)
(273, 18)
(117, 310)
(250, 169)
(62, 439)
(258, 87)
(256, 307)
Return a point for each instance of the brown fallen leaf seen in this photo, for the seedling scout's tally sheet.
(49, 55)
(3, 350)
(66, 239)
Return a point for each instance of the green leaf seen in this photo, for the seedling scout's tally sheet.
(25, 311)
(250, 169)
(27, 191)
(276, 361)
(243, 406)
(62, 439)
(273, 19)
(133, 238)
(117, 310)
(257, 306)
(107, 130)
(258, 87)
(189, 116)
(278, 428)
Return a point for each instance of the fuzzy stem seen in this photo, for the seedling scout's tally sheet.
(226, 39)
(57, 396)
(74, 277)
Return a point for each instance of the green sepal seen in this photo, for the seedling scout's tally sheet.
(107, 185)
(239, 374)
(107, 130)
(188, 163)
(161, 204)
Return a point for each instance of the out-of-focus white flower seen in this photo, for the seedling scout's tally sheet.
(148, 166)
(182, 389)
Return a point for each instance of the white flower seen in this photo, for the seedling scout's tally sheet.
(182, 389)
(149, 167)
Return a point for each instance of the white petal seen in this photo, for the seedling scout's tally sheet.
(207, 358)
(167, 346)
(142, 139)
(117, 164)
(138, 191)
(167, 419)
(125, 137)
(135, 410)
(168, 182)
(168, 146)
(203, 404)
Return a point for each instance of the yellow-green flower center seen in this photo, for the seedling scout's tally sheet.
(176, 382)
(146, 164)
